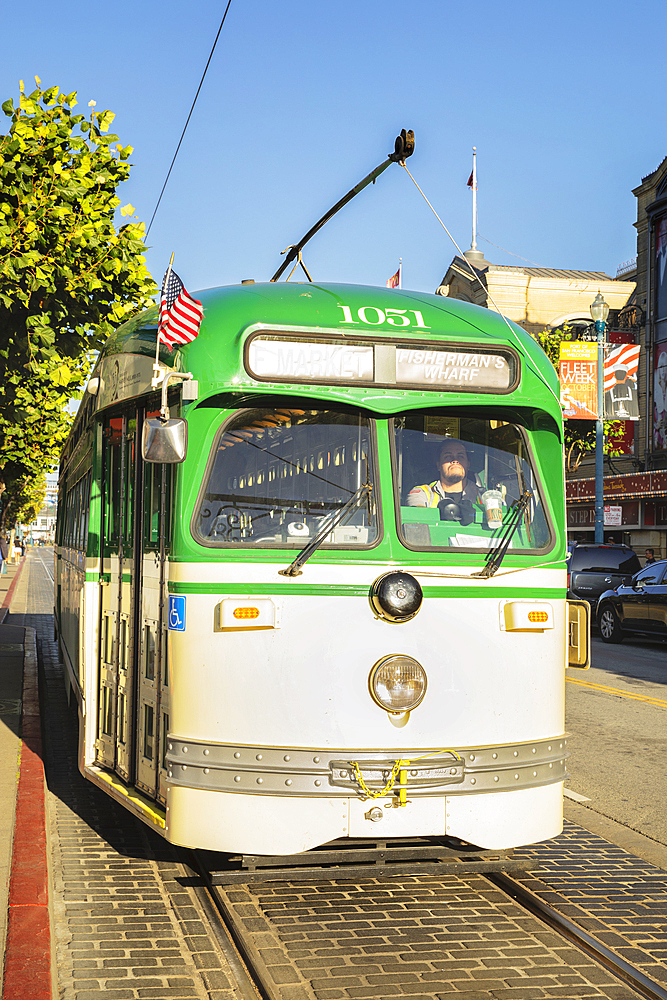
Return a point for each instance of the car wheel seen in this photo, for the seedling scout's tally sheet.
(609, 625)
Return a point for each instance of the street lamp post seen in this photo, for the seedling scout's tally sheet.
(599, 312)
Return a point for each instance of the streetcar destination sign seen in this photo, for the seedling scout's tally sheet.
(449, 369)
(308, 361)
(283, 358)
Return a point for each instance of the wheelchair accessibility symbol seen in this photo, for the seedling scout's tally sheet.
(176, 614)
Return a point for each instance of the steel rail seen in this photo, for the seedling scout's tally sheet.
(254, 982)
(628, 974)
(245, 965)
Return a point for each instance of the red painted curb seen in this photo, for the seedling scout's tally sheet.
(28, 951)
(10, 589)
(28, 884)
(28, 954)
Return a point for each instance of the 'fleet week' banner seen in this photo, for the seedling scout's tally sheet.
(578, 380)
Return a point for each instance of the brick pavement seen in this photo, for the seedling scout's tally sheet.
(125, 926)
(424, 937)
(617, 897)
(128, 926)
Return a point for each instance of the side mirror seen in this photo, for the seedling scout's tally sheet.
(579, 634)
(164, 440)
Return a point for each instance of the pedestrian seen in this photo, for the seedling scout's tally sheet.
(650, 557)
(4, 552)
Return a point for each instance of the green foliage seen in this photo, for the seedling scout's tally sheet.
(579, 434)
(27, 498)
(68, 277)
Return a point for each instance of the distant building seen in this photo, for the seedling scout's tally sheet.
(635, 487)
(534, 297)
(43, 528)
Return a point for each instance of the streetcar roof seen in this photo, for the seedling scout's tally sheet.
(232, 313)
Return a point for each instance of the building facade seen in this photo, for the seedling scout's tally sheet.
(537, 298)
(43, 529)
(638, 485)
(635, 493)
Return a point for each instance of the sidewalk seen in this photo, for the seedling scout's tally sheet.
(8, 580)
(24, 917)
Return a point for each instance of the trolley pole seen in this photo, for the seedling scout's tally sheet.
(599, 312)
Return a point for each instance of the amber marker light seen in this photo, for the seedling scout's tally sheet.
(245, 613)
(538, 616)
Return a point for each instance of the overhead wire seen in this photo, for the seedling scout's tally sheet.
(476, 277)
(201, 82)
(518, 256)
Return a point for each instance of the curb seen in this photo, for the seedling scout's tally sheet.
(4, 607)
(28, 950)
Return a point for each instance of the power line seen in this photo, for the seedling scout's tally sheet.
(509, 251)
(189, 117)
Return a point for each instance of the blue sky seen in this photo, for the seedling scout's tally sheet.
(563, 102)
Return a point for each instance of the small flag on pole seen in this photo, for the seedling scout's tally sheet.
(471, 179)
(395, 280)
(180, 314)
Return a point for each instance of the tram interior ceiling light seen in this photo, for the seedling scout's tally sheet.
(396, 597)
(397, 683)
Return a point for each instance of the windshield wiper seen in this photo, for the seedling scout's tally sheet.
(495, 556)
(294, 569)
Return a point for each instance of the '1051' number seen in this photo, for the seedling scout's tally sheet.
(373, 316)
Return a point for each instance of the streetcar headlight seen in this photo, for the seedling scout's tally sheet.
(397, 683)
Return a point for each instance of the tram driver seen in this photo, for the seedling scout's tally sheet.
(455, 491)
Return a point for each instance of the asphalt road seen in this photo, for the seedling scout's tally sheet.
(619, 737)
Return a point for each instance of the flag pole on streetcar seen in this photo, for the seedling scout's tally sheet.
(157, 370)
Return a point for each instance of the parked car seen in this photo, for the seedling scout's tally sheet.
(638, 606)
(594, 569)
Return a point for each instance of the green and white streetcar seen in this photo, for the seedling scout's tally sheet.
(311, 577)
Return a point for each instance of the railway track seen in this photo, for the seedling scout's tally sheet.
(254, 978)
(633, 977)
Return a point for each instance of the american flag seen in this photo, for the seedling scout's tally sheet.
(180, 314)
(627, 355)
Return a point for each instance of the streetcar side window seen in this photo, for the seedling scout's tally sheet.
(153, 486)
(113, 441)
(457, 481)
(77, 508)
(278, 475)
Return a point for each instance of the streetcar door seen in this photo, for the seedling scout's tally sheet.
(153, 670)
(119, 586)
(133, 716)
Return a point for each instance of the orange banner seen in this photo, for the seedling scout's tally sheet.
(578, 380)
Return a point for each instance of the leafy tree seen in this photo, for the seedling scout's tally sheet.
(27, 498)
(34, 435)
(68, 277)
(579, 434)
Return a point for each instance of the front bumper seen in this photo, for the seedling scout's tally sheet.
(285, 771)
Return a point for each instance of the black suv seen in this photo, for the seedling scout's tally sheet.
(637, 606)
(592, 569)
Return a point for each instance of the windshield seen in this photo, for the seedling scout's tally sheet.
(457, 479)
(278, 475)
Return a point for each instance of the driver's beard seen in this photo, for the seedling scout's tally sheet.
(451, 485)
